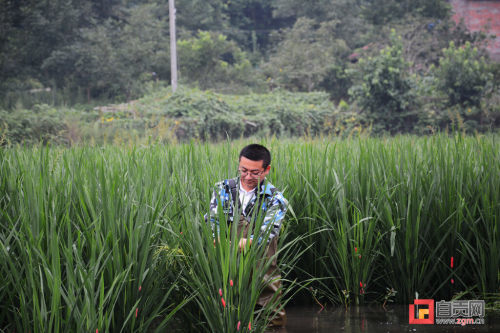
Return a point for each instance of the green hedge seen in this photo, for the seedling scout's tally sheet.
(207, 115)
(42, 124)
(162, 116)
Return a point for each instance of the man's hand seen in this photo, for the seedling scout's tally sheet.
(243, 242)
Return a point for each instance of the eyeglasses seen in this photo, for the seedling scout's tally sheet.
(252, 173)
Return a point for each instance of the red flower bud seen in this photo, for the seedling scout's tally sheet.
(136, 310)
(250, 326)
(231, 283)
(223, 302)
(451, 262)
(355, 249)
(220, 292)
(238, 326)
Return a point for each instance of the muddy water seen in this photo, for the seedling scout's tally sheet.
(372, 319)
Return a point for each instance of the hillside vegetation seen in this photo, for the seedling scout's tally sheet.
(396, 66)
(163, 117)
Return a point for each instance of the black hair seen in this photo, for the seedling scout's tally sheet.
(256, 152)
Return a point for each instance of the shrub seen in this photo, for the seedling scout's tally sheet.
(43, 123)
(384, 90)
(463, 76)
(213, 62)
(207, 115)
(463, 86)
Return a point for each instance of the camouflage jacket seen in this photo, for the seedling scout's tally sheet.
(272, 204)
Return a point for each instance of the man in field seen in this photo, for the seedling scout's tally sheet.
(250, 195)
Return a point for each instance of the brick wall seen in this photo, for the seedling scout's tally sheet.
(480, 15)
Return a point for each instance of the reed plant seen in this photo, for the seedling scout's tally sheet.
(76, 236)
(393, 212)
(226, 280)
(90, 237)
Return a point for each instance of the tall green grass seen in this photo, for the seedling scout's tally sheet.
(84, 231)
(394, 211)
(77, 231)
(226, 281)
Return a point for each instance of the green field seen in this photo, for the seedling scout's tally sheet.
(113, 238)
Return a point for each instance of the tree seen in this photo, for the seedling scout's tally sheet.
(346, 13)
(318, 10)
(213, 62)
(304, 56)
(113, 58)
(252, 23)
(30, 31)
(383, 89)
(464, 81)
(463, 75)
(381, 12)
(194, 15)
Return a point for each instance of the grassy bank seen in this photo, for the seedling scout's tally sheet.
(163, 117)
(91, 238)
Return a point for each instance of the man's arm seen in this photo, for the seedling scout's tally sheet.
(221, 196)
(212, 216)
(275, 213)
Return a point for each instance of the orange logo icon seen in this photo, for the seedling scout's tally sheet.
(425, 313)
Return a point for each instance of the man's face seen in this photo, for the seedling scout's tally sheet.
(252, 172)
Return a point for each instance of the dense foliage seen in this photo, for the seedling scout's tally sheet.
(41, 124)
(385, 90)
(161, 116)
(401, 66)
(463, 76)
(188, 114)
(113, 238)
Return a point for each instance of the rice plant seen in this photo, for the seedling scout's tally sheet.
(419, 201)
(76, 236)
(90, 237)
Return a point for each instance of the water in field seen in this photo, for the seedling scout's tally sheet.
(372, 319)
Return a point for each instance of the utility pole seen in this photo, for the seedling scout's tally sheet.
(173, 45)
